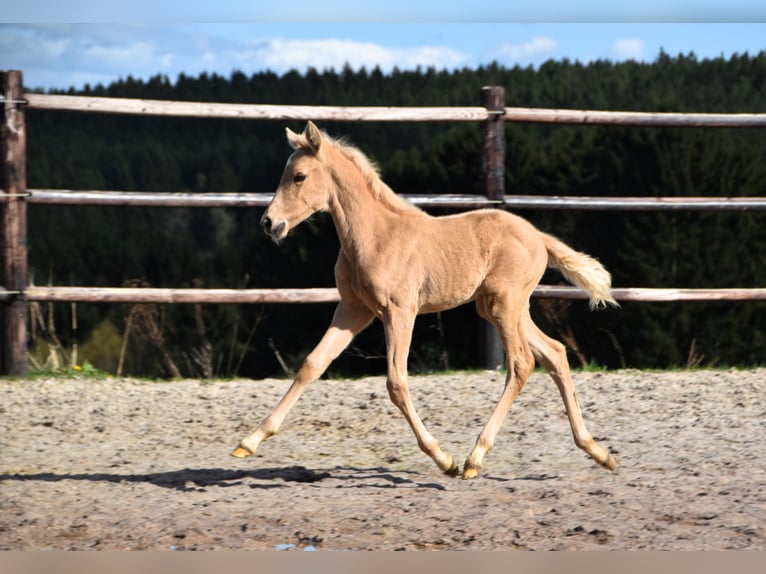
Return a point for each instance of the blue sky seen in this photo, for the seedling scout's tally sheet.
(142, 39)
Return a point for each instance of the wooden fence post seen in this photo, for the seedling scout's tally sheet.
(493, 171)
(13, 225)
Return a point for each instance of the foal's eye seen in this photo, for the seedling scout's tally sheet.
(299, 177)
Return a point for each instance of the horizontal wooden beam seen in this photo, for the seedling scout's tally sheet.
(453, 201)
(381, 113)
(559, 202)
(159, 295)
(330, 295)
(646, 294)
(146, 198)
(627, 118)
(165, 199)
(253, 111)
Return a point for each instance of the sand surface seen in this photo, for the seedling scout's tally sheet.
(126, 464)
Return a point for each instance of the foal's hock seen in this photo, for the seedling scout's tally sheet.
(396, 261)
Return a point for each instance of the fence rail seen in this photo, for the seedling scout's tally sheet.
(162, 199)
(254, 111)
(449, 201)
(387, 114)
(14, 196)
(330, 295)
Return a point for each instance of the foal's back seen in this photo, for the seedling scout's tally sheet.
(454, 258)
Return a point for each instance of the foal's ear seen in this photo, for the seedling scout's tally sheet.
(313, 136)
(296, 141)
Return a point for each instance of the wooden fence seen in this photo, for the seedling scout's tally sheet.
(14, 196)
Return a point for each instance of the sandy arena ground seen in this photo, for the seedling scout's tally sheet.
(126, 464)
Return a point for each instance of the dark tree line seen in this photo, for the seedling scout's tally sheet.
(225, 248)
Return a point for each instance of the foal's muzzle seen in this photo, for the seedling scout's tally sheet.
(275, 231)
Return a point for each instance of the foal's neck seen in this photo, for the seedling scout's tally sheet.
(360, 217)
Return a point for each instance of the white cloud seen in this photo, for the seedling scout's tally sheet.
(22, 49)
(141, 54)
(61, 56)
(281, 54)
(535, 50)
(72, 55)
(54, 48)
(628, 49)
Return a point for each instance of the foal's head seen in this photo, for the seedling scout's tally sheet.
(305, 187)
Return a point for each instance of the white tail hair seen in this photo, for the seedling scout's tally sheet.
(581, 270)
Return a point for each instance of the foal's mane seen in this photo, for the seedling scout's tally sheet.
(369, 170)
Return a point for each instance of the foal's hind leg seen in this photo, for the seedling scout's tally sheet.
(350, 318)
(505, 315)
(552, 356)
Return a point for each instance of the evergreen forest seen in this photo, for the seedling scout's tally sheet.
(225, 248)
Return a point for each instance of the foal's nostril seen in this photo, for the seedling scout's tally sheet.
(278, 229)
(266, 223)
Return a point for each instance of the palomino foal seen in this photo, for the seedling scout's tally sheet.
(397, 261)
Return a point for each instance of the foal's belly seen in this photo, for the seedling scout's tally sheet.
(441, 293)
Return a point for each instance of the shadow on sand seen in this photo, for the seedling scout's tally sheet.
(194, 479)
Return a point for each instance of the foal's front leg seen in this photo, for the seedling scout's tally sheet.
(349, 319)
(398, 325)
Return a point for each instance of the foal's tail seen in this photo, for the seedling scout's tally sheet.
(582, 270)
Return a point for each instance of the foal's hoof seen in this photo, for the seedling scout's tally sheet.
(452, 471)
(470, 472)
(241, 452)
(609, 463)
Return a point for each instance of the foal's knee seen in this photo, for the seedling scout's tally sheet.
(396, 392)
